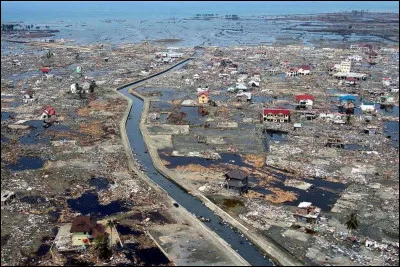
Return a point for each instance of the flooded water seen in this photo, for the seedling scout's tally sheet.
(89, 203)
(6, 115)
(160, 106)
(192, 115)
(126, 230)
(356, 147)
(226, 158)
(36, 134)
(26, 163)
(323, 194)
(391, 130)
(33, 199)
(43, 250)
(164, 94)
(151, 256)
(192, 204)
(228, 204)
(273, 136)
(100, 183)
(388, 111)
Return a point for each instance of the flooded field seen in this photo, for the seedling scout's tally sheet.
(26, 163)
(391, 130)
(89, 203)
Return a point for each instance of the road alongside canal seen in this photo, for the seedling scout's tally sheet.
(204, 208)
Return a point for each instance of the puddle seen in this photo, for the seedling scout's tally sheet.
(391, 130)
(35, 135)
(151, 256)
(77, 262)
(33, 199)
(193, 115)
(54, 215)
(26, 163)
(4, 139)
(153, 215)
(4, 239)
(6, 115)
(43, 250)
(160, 106)
(273, 136)
(323, 194)
(126, 230)
(356, 147)
(226, 158)
(163, 94)
(89, 203)
(388, 111)
(261, 99)
(100, 183)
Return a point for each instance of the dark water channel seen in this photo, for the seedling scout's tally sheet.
(248, 251)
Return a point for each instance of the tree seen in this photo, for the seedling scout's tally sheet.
(348, 119)
(101, 247)
(111, 224)
(352, 222)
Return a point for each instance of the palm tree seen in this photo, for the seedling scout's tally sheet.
(101, 247)
(352, 222)
(110, 224)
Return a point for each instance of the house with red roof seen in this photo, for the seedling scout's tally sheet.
(276, 115)
(203, 97)
(305, 100)
(45, 70)
(292, 72)
(84, 229)
(304, 69)
(48, 113)
(350, 81)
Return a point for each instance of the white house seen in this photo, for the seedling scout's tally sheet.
(202, 89)
(355, 58)
(245, 95)
(74, 88)
(254, 83)
(241, 86)
(386, 81)
(367, 106)
(196, 76)
(292, 72)
(175, 55)
(304, 69)
(28, 97)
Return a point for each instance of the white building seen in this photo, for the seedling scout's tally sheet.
(241, 86)
(74, 88)
(345, 66)
(355, 58)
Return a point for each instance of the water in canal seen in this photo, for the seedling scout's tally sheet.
(247, 250)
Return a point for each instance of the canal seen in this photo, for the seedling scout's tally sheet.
(237, 241)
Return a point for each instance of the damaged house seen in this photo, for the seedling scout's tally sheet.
(305, 101)
(237, 180)
(84, 229)
(276, 115)
(29, 96)
(307, 214)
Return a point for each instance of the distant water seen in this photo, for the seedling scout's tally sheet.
(131, 22)
(43, 12)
